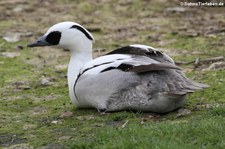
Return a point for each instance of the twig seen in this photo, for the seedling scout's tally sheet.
(197, 61)
(6, 2)
(124, 124)
(213, 59)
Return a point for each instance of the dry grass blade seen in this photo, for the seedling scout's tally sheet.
(204, 61)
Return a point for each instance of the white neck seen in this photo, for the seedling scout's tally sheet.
(80, 55)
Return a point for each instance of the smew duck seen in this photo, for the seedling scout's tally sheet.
(134, 77)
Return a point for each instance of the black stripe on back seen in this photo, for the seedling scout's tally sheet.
(136, 51)
(123, 67)
(78, 76)
(107, 69)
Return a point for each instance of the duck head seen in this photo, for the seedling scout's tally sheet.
(67, 35)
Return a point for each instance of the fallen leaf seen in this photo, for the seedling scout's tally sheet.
(38, 110)
(216, 66)
(183, 112)
(12, 37)
(26, 34)
(152, 116)
(66, 114)
(21, 85)
(19, 8)
(54, 122)
(87, 117)
(10, 54)
(47, 81)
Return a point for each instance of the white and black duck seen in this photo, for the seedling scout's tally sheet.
(135, 77)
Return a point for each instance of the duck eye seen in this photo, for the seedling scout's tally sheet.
(53, 37)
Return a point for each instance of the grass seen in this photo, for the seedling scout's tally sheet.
(31, 112)
(168, 134)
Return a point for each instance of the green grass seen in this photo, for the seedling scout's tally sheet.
(30, 111)
(191, 133)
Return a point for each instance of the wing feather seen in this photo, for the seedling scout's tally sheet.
(143, 50)
(152, 67)
(157, 67)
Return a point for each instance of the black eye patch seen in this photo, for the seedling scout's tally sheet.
(54, 37)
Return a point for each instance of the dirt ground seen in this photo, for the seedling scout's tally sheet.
(33, 79)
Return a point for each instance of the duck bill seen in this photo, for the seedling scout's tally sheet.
(39, 43)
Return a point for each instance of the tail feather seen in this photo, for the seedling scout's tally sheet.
(192, 86)
(189, 85)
